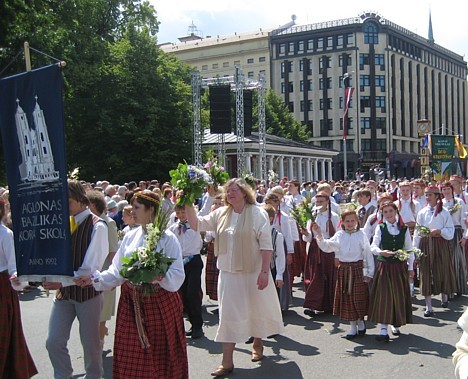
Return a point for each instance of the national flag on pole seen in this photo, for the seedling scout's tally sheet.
(348, 95)
(31, 124)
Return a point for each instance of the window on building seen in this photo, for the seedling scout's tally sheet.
(262, 72)
(262, 59)
(326, 144)
(291, 87)
(322, 104)
(365, 103)
(330, 43)
(309, 67)
(380, 61)
(371, 33)
(310, 45)
(283, 87)
(300, 46)
(301, 86)
(204, 67)
(250, 60)
(320, 43)
(364, 81)
(301, 65)
(320, 83)
(380, 103)
(341, 103)
(301, 105)
(381, 144)
(250, 74)
(363, 60)
(339, 41)
(214, 65)
(291, 107)
(350, 39)
(365, 122)
(330, 124)
(309, 106)
(309, 85)
(282, 48)
(329, 83)
(282, 69)
(225, 64)
(349, 81)
(381, 123)
(236, 63)
(380, 81)
(291, 48)
(349, 123)
(365, 144)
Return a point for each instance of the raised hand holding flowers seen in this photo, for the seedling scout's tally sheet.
(191, 180)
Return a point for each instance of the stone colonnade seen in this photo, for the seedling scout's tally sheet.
(304, 169)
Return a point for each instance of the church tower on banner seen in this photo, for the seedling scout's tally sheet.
(36, 152)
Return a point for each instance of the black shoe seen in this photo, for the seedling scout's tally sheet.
(396, 332)
(351, 336)
(428, 313)
(197, 334)
(382, 338)
(445, 304)
(250, 340)
(215, 311)
(309, 312)
(273, 336)
(189, 332)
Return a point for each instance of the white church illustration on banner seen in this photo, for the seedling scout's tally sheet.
(36, 152)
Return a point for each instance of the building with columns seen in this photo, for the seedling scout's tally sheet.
(399, 78)
(285, 157)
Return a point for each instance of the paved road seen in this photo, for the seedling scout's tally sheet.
(309, 348)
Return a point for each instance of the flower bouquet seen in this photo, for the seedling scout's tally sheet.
(146, 262)
(218, 174)
(191, 180)
(250, 180)
(303, 212)
(423, 231)
(454, 209)
(403, 254)
(352, 206)
(273, 176)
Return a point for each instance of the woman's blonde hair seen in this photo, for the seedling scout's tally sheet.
(243, 186)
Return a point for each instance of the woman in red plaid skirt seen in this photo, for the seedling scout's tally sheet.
(149, 336)
(15, 359)
(355, 270)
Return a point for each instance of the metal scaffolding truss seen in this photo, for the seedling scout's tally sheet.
(238, 84)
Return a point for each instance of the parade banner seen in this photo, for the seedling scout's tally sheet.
(442, 150)
(32, 130)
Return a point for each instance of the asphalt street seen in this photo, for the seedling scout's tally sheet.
(309, 348)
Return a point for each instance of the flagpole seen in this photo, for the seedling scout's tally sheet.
(345, 153)
(27, 56)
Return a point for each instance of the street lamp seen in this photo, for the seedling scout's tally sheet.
(345, 111)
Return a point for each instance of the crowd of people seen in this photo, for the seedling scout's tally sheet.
(364, 250)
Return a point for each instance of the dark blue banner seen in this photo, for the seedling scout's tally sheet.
(31, 123)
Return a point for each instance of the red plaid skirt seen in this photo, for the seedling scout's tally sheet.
(211, 273)
(319, 279)
(298, 260)
(162, 317)
(390, 298)
(351, 293)
(436, 267)
(15, 359)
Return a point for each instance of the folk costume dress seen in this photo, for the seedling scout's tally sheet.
(15, 359)
(390, 297)
(436, 263)
(149, 334)
(456, 249)
(320, 269)
(244, 310)
(211, 269)
(355, 262)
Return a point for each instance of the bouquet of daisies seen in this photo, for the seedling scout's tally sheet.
(146, 262)
(403, 254)
(217, 173)
(191, 180)
(423, 231)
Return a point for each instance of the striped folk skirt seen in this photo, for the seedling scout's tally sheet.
(459, 262)
(351, 293)
(319, 279)
(390, 297)
(162, 319)
(298, 260)
(15, 359)
(211, 273)
(436, 267)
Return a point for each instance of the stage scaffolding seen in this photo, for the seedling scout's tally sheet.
(238, 84)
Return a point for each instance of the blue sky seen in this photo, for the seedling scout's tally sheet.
(229, 16)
